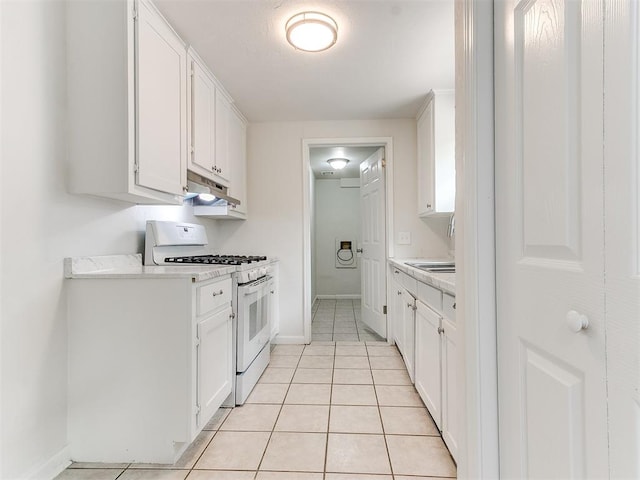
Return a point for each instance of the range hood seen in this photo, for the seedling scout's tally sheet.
(198, 184)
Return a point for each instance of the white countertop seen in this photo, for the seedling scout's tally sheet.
(444, 281)
(130, 266)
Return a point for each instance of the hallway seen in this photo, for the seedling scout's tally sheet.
(339, 320)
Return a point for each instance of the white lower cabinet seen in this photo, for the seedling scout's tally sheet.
(214, 363)
(450, 415)
(150, 361)
(436, 368)
(397, 306)
(409, 326)
(428, 360)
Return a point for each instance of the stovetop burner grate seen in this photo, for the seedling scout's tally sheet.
(216, 259)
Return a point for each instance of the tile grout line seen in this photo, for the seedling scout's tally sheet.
(279, 413)
(384, 435)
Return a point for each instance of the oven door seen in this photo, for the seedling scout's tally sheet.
(253, 320)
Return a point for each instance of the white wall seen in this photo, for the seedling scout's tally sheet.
(42, 224)
(337, 215)
(274, 184)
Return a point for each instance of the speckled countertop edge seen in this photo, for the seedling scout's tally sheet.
(444, 281)
(130, 266)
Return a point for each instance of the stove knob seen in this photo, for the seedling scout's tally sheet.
(263, 272)
(252, 274)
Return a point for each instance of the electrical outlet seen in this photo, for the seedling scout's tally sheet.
(404, 238)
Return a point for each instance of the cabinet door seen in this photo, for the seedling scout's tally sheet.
(274, 303)
(426, 160)
(161, 61)
(223, 114)
(238, 161)
(215, 368)
(409, 305)
(398, 310)
(449, 386)
(428, 361)
(202, 121)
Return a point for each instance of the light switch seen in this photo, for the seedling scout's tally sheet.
(404, 238)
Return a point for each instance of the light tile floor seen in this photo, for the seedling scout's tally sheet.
(327, 411)
(339, 320)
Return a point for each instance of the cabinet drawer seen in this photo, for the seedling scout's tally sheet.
(430, 296)
(212, 296)
(409, 283)
(448, 308)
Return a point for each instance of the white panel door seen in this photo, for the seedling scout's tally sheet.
(161, 101)
(549, 234)
(622, 233)
(215, 368)
(373, 260)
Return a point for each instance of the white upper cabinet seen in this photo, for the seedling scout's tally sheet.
(202, 106)
(238, 161)
(436, 154)
(223, 120)
(127, 102)
(209, 118)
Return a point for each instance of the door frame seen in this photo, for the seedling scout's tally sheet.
(475, 240)
(307, 143)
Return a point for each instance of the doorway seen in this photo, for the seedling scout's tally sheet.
(338, 264)
(337, 273)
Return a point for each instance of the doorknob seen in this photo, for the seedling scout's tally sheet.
(577, 321)
(358, 250)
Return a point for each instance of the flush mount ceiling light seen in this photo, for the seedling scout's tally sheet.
(338, 163)
(311, 31)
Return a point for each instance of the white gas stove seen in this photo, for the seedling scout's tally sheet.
(186, 244)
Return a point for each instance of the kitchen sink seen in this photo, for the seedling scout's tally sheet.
(434, 267)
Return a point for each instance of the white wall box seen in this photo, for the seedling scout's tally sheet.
(436, 154)
(127, 102)
(150, 361)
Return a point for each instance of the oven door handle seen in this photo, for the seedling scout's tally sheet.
(251, 289)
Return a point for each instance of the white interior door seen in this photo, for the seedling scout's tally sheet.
(549, 235)
(373, 259)
(622, 233)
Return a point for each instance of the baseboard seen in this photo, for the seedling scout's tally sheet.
(355, 296)
(52, 467)
(292, 340)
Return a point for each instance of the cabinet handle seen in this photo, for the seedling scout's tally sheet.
(273, 291)
(185, 188)
(454, 306)
(409, 305)
(399, 292)
(396, 271)
(440, 330)
(219, 293)
(428, 205)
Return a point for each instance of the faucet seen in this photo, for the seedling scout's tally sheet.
(451, 228)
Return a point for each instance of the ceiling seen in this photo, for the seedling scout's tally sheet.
(389, 54)
(318, 157)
